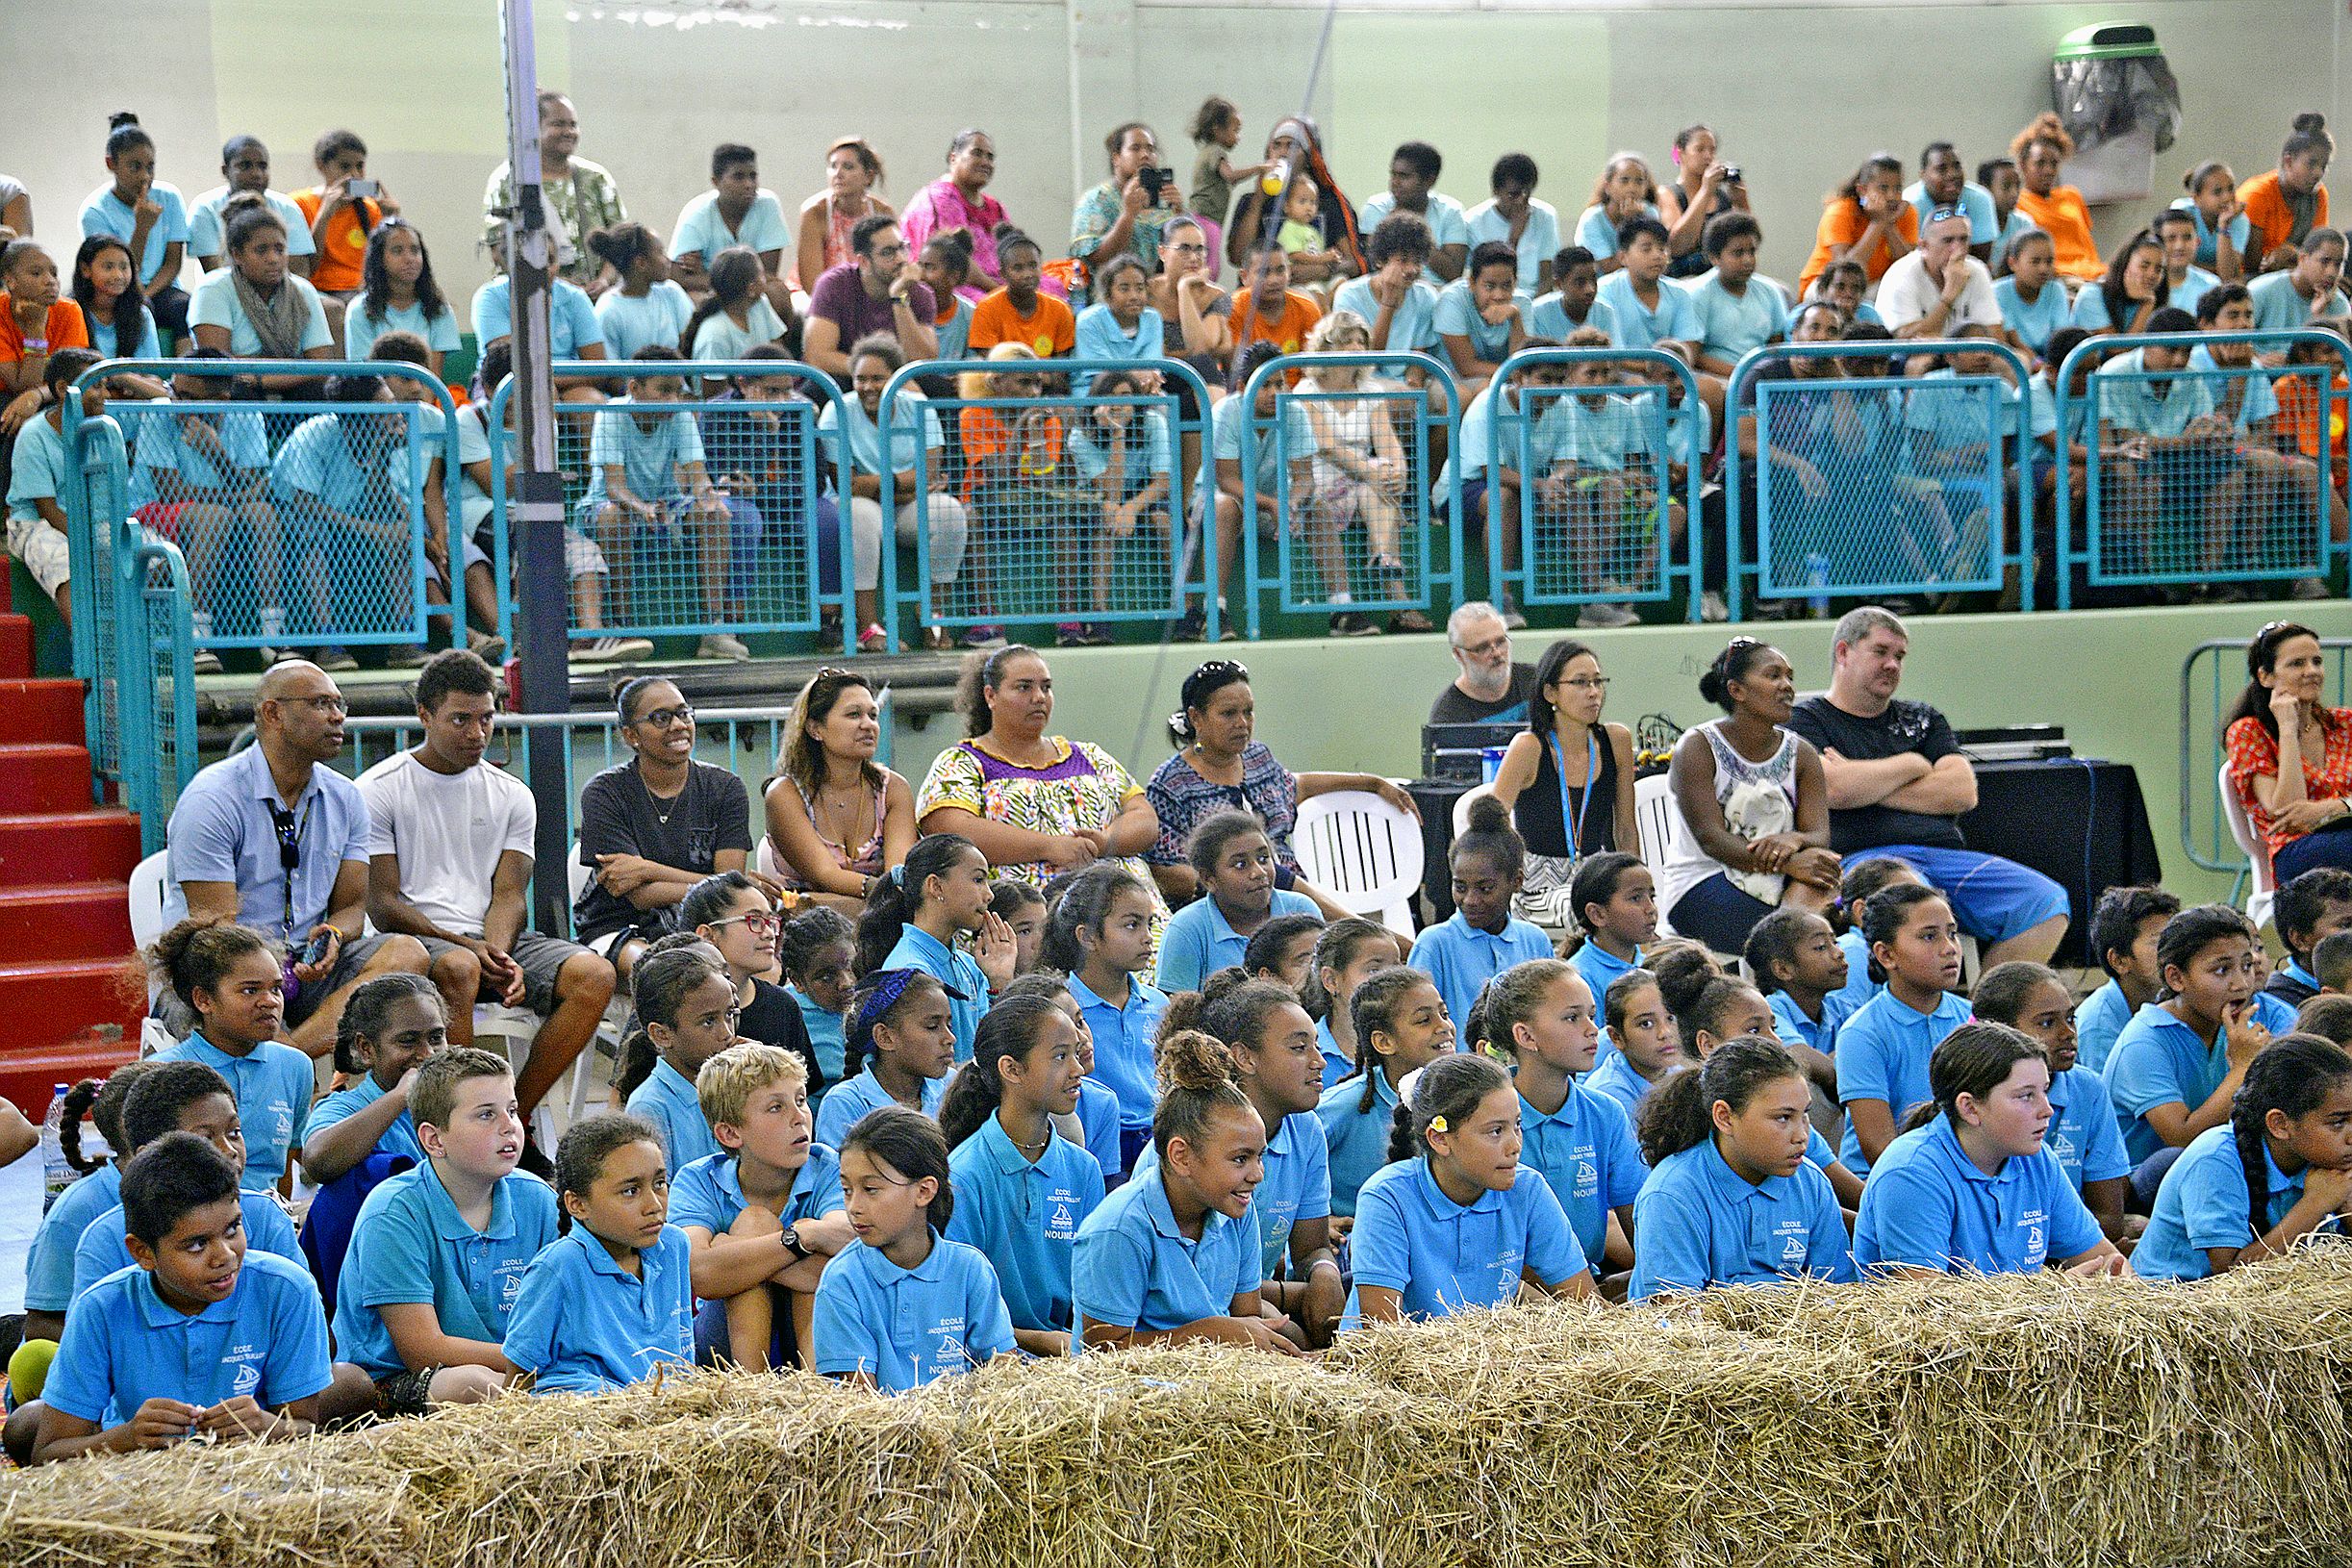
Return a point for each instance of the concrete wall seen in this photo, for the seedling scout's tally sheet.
(1797, 90)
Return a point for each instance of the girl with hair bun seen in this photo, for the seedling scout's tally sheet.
(1482, 938)
(235, 982)
(2286, 203)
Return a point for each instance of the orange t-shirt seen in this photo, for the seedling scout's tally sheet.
(1300, 314)
(2299, 416)
(987, 433)
(2065, 218)
(2268, 210)
(1052, 330)
(65, 329)
(1841, 224)
(338, 267)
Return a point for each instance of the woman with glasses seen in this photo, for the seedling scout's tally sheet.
(1198, 320)
(1568, 780)
(653, 827)
(1221, 765)
(836, 818)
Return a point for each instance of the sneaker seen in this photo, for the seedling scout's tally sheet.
(984, 639)
(1069, 634)
(1352, 623)
(935, 639)
(1094, 635)
(1512, 619)
(2308, 588)
(488, 649)
(407, 656)
(872, 640)
(332, 658)
(1410, 621)
(1712, 607)
(615, 650)
(720, 646)
(1606, 614)
(1192, 626)
(205, 663)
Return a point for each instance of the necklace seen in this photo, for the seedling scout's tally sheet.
(1031, 1149)
(655, 801)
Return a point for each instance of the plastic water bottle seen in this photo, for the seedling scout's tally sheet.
(56, 1174)
(1817, 583)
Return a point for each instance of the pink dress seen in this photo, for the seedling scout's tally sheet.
(940, 206)
(866, 861)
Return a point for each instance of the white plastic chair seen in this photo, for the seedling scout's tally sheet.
(514, 1028)
(2261, 881)
(146, 901)
(1660, 822)
(1364, 852)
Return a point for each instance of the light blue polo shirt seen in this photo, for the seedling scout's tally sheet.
(1547, 317)
(709, 1193)
(1640, 326)
(1089, 446)
(272, 1085)
(321, 462)
(866, 438)
(126, 1344)
(2083, 1136)
(2278, 308)
(1927, 1205)
(584, 1324)
(702, 229)
(1882, 1053)
(1605, 434)
(2260, 401)
(1458, 316)
(1412, 326)
(903, 1327)
(952, 968)
(1023, 1218)
(571, 320)
(48, 1267)
(1336, 1064)
(400, 1138)
(1699, 1222)
(1847, 999)
(1444, 1257)
(2204, 1203)
(1602, 969)
(165, 446)
(1099, 1119)
(208, 235)
(2035, 321)
(1461, 959)
(846, 1102)
(37, 468)
(1124, 1039)
(1444, 216)
(1984, 215)
(104, 1248)
(2274, 1012)
(103, 212)
(2209, 244)
(2136, 399)
(667, 1103)
(1198, 940)
(2158, 1060)
(411, 1244)
(1101, 337)
(362, 328)
(1355, 1141)
(1297, 1184)
(1789, 1023)
(1134, 1268)
(149, 346)
(649, 460)
(1596, 233)
(1297, 442)
(214, 303)
(656, 317)
(1538, 242)
(1615, 1078)
(2098, 1020)
(1734, 325)
(825, 1033)
(1585, 1149)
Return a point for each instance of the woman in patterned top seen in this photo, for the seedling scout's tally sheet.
(1036, 804)
(2304, 813)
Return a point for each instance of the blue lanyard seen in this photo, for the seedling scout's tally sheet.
(1592, 781)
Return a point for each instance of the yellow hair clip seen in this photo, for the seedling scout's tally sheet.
(1437, 1123)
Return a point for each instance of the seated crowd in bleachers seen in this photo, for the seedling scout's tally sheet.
(2179, 452)
(918, 1076)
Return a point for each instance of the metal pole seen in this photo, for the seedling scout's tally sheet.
(538, 501)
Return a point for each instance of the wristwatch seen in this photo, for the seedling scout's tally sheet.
(790, 1236)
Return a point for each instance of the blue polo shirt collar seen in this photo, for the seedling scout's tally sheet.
(1440, 1204)
(930, 1270)
(1569, 1115)
(2280, 1181)
(997, 1145)
(159, 1314)
(601, 1257)
(2296, 972)
(1732, 1187)
(262, 787)
(1945, 1142)
(675, 1081)
(210, 1055)
(451, 1226)
(1163, 1219)
(937, 952)
(1138, 988)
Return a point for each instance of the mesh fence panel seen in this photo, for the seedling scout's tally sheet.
(160, 624)
(1596, 445)
(1364, 529)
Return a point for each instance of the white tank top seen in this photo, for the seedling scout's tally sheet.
(1687, 865)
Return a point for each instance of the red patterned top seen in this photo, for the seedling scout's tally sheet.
(2254, 754)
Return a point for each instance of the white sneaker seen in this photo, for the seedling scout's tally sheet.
(615, 650)
(1605, 615)
(1712, 607)
(719, 646)
(205, 663)
(334, 659)
(1512, 617)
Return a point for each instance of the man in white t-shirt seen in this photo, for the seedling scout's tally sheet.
(448, 858)
(1939, 291)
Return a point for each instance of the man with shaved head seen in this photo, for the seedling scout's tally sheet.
(274, 839)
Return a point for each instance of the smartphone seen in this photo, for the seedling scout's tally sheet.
(315, 950)
(368, 189)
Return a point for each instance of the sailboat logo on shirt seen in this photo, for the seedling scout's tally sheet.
(248, 1378)
(1060, 1223)
(1587, 1178)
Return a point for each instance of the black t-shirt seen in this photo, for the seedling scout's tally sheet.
(772, 1018)
(1538, 813)
(1455, 706)
(619, 816)
(1905, 726)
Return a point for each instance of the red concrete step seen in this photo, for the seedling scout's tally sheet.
(15, 644)
(67, 920)
(44, 777)
(29, 1074)
(98, 843)
(40, 711)
(71, 994)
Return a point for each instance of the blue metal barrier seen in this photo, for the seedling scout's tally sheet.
(2188, 477)
(2211, 677)
(761, 549)
(1594, 436)
(155, 646)
(1032, 506)
(1866, 486)
(1360, 517)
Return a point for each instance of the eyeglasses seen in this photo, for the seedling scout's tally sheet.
(1587, 683)
(1486, 649)
(331, 704)
(664, 717)
(1187, 250)
(759, 922)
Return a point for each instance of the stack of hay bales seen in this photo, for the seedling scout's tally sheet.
(2003, 1420)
